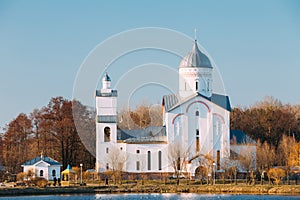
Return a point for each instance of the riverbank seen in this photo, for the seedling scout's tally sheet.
(227, 189)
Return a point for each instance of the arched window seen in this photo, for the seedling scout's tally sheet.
(41, 173)
(159, 160)
(149, 160)
(218, 160)
(197, 141)
(106, 134)
(53, 172)
(196, 85)
(197, 144)
(197, 113)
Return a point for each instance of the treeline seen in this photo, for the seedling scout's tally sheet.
(275, 127)
(65, 131)
(49, 131)
(268, 120)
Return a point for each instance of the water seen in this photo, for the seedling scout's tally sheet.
(153, 196)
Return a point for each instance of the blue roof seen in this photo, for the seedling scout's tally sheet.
(240, 137)
(46, 159)
(151, 134)
(172, 101)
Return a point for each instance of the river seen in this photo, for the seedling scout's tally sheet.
(153, 196)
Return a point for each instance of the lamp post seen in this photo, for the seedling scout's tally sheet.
(81, 173)
(214, 168)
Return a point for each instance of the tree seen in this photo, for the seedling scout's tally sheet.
(294, 157)
(17, 140)
(284, 153)
(143, 116)
(116, 160)
(50, 130)
(276, 174)
(265, 160)
(178, 157)
(267, 120)
(246, 157)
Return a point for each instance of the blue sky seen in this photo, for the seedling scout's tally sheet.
(255, 44)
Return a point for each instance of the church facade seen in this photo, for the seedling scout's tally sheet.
(195, 120)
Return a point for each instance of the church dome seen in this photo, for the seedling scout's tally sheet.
(195, 58)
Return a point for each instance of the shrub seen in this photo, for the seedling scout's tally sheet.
(276, 174)
(20, 176)
(40, 182)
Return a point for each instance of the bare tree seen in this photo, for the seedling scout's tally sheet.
(247, 158)
(142, 116)
(265, 157)
(116, 160)
(178, 157)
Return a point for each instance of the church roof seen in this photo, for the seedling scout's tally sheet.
(149, 134)
(195, 58)
(173, 101)
(46, 159)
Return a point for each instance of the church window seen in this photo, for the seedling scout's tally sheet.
(107, 166)
(218, 160)
(41, 173)
(197, 132)
(196, 85)
(121, 148)
(137, 151)
(107, 150)
(159, 160)
(197, 113)
(208, 89)
(137, 165)
(53, 172)
(197, 144)
(106, 134)
(149, 160)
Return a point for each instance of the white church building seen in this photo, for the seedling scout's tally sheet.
(195, 118)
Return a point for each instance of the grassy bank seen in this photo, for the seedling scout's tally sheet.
(229, 189)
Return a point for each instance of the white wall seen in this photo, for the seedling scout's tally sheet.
(47, 170)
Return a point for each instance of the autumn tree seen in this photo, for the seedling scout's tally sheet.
(294, 157)
(50, 130)
(267, 120)
(17, 142)
(276, 174)
(142, 116)
(265, 155)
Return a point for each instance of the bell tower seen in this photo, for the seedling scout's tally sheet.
(106, 120)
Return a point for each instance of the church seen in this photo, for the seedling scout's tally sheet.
(195, 120)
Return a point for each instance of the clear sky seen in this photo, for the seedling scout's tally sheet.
(255, 44)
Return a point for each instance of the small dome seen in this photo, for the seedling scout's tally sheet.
(195, 59)
(106, 77)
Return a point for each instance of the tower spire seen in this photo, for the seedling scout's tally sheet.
(195, 36)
